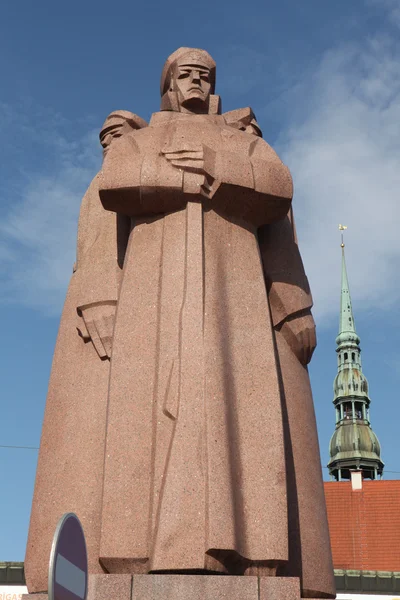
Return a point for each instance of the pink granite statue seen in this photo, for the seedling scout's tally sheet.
(180, 424)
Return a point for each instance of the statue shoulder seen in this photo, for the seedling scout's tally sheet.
(262, 150)
(243, 119)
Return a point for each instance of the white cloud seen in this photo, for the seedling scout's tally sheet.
(343, 148)
(38, 226)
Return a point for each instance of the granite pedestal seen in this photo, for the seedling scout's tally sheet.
(188, 587)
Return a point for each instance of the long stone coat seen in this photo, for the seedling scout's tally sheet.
(69, 475)
(205, 455)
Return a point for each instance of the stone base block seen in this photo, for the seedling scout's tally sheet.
(187, 587)
(279, 588)
(110, 587)
(194, 587)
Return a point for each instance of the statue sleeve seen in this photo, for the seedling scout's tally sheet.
(255, 186)
(102, 241)
(134, 184)
(287, 284)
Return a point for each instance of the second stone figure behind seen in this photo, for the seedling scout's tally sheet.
(197, 293)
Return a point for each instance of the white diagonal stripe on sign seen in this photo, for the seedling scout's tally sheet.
(70, 577)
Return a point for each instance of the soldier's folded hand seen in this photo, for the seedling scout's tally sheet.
(196, 159)
(300, 335)
(98, 326)
(188, 158)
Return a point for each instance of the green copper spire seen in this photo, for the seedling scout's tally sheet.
(353, 445)
(346, 319)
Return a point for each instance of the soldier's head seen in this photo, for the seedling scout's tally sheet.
(116, 124)
(188, 82)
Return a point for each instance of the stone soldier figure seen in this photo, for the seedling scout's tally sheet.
(211, 459)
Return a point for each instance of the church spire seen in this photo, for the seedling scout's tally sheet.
(354, 446)
(346, 319)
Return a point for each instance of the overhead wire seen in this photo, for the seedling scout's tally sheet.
(21, 447)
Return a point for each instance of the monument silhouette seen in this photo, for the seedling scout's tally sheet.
(179, 424)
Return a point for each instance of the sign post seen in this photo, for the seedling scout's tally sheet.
(68, 567)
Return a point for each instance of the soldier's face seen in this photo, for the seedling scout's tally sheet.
(192, 84)
(111, 134)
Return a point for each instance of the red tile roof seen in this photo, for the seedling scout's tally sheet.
(364, 525)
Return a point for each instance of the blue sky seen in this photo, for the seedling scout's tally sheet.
(324, 81)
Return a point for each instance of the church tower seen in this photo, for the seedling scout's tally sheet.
(353, 446)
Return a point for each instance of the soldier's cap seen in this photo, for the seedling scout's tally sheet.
(193, 56)
(118, 118)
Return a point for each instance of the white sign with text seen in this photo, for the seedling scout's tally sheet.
(12, 592)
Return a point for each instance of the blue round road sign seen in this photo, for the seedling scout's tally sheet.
(68, 568)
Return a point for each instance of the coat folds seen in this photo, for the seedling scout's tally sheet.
(186, 443)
